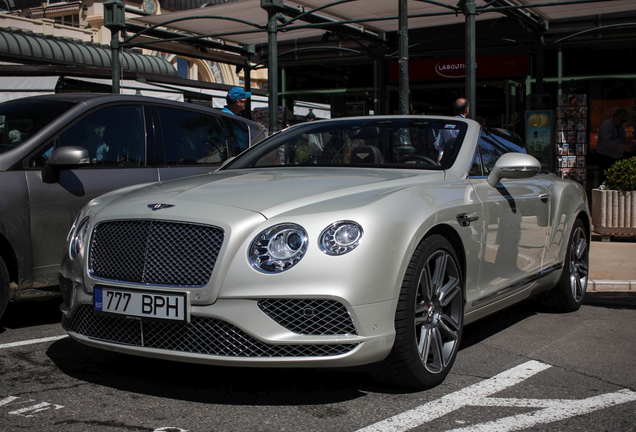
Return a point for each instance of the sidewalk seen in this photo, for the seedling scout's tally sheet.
(612, 277)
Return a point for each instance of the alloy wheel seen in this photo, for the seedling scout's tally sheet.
(438, 311)
(578, 262)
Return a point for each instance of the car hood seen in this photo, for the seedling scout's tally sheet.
(274, 191)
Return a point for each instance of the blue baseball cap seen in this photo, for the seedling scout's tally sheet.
(237, 93)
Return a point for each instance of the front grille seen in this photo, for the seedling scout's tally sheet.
(201, 336)
(155, 252)
(66, 288)
(309, 316)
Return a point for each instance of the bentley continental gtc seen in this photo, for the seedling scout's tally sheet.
(337, 243)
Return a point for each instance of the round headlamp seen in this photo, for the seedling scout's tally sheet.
(79, 238)
(278, 248)
(340, 238)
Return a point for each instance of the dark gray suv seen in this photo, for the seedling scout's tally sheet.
(57, 152)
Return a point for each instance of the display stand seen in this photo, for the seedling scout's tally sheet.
(573, 138)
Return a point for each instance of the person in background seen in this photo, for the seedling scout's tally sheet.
(481, 121)
(15, 136)
(236, 99)
(462, 108)
(102, 147)
(612, 144)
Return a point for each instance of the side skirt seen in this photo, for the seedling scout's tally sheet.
(514, 293)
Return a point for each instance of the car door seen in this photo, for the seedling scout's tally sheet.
(115, 138)
(515, 222)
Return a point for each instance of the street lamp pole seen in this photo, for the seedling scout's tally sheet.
(115, 21)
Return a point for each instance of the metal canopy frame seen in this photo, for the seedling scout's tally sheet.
(285, 18)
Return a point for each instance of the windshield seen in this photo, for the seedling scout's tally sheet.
(22, 118)
(399, 142)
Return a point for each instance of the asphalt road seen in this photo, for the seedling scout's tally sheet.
(525, 368)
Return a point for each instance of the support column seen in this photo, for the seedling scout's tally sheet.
(380, 86)
(471, 82)
(272, 71)
(539, 67)
(247, 74)
(114, 53)
(403, 32)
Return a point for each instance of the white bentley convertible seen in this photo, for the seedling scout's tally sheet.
(333, 243)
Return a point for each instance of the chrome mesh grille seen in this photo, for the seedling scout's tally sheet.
(155, 252)
(309, 316)
(201, 336)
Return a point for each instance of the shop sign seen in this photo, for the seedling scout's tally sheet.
(487, 66)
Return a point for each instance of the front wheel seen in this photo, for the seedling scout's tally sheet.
(429, 317)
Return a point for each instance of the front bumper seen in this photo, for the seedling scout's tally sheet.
(239, 332)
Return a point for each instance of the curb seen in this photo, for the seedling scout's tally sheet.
(611, 293)
(596, 285)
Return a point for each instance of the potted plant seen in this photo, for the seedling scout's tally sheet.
(614, 203)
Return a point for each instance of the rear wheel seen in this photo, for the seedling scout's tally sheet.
(568, 293)
(429, 317)
(4, 287)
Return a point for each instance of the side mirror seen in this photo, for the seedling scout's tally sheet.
(68, 155)
(63, 157)
(513, 166)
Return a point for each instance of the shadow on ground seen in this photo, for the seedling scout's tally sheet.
(244, 386)
(31, 314)
(209, 384)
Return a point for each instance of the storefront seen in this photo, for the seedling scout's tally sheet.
(585, 86)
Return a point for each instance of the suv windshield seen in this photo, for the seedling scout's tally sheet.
(20, 119)
(399, 142)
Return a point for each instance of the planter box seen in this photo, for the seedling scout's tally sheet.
(614, 212)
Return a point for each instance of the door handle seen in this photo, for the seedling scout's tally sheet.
(544, 197)
(464, 220)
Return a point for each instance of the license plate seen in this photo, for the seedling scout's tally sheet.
(153, 306)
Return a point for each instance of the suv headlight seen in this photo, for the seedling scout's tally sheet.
(340, 237)
(278, 248)
(78, 238)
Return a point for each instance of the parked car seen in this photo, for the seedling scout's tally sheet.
(60, 151)
(334, 243)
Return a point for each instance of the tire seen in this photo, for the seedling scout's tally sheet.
(4, 287)
(429, 317)
(568, 293)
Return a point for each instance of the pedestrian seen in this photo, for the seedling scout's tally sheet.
(462, 108)
(236, 99)
(612, 144)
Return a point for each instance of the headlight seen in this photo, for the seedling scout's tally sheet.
(278, 248)
(79, 238)
(70, 233)
(340, 238)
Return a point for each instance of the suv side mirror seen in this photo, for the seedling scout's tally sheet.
(63, 157)
(512, 166)
(68, 155)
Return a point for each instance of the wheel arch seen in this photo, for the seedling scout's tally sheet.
(455, 240)
(585, 218)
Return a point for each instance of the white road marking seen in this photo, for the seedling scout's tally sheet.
(477, 395)
(8, 399)
(449, 403)
(170, 429)
(33, 409)
(32, 341)
(30, 410)
(560, 409)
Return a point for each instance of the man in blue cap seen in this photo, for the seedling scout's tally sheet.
(236, 99)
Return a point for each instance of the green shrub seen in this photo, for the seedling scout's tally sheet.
(622, 175)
